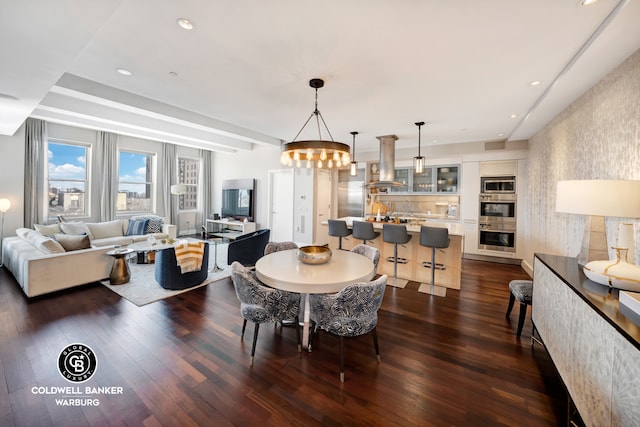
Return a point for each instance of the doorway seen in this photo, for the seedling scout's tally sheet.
(281, 205)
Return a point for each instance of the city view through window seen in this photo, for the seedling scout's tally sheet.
(67, 179)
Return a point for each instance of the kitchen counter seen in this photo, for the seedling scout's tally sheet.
(415, 253)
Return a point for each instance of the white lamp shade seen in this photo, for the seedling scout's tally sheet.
(5, 204)
(619, 198)
(178, 189)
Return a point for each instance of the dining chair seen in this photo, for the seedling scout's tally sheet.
(363, 230)
(370, 252)
(352, 312)
(262, 304)
(279, 246)
(338, 228)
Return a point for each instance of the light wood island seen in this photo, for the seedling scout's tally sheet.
(415, 253)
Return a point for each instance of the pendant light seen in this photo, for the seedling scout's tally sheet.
(354, 164)
(319, 153)
(418, 161)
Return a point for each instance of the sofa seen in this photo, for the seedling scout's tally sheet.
(59, 256)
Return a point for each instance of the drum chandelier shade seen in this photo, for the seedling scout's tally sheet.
(319, 152)
(418, 161)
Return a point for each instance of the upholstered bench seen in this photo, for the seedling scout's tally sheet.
(521, 290)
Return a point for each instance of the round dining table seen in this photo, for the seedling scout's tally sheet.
(282, 270)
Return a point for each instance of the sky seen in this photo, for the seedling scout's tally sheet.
(69, 162)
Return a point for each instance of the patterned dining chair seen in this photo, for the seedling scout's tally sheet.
(370, 252)
(279, 246)
(262, 304)
(352, 312)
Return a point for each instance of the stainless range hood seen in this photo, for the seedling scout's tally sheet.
(387, 163)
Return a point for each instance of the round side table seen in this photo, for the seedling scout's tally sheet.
(120, 273)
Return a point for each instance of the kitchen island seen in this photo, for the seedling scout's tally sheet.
(415, 253)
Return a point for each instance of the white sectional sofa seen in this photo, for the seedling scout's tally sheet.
(41, 264)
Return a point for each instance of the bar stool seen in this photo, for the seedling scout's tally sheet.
(521, 290)
(338, 228)
(396, 234)
(435, 238)
(364, 230)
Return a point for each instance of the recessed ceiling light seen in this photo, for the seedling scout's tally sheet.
(124, 71)
(534, 83)
(173, 74)
(434, 141)
(587, 2)
(513, 116)
(8, 97)
(185, 23)
(501, 134)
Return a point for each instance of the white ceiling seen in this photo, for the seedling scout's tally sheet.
(463, 66)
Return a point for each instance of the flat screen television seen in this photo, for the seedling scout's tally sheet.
(237, 198)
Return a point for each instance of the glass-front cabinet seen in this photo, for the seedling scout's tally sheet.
(447, 179)
(434, 179)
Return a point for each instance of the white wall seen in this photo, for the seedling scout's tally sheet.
(247, 164)
(12, 179)
(597, 137)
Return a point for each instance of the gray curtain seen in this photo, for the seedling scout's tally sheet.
(35, 172)
(107, 163)
(169, 177)
(205, 207)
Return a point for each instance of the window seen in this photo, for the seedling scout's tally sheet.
(188, 175)
(68, 180)
(135, 182)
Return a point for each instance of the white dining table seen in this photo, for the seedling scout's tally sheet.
(282, 270)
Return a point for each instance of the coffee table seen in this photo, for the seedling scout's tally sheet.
(145, 248)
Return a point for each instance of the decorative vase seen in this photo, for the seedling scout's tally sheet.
(626, 239)
(618, 273)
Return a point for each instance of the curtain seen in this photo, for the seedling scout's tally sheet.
(169, 177)
(205, 205)
(35, 172)
(108, 163)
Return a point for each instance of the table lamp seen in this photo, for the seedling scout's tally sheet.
(5, 204)
(598, 198)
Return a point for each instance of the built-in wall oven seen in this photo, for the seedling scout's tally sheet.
(497, 222)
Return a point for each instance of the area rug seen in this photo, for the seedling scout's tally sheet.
(439, 291)
(143, 289)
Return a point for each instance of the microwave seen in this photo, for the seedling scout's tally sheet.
(498, 184)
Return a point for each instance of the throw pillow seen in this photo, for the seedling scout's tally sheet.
(43, 243)
(137, 227)
(103, 230)
(154, 225)
(75, 228)
(73, 242)
(47, 230)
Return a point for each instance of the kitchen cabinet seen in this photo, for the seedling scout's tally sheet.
(434, 180)
(470, 205)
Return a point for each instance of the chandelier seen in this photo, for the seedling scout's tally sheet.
(318, 152)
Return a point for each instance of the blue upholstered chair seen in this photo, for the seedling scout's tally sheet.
(169, 276)
(350, 313)
(262, 304)
(370, 252)
(279, 246)
(248, 248)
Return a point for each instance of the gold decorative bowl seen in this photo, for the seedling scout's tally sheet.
(314, 254)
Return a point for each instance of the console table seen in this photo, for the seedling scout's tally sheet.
(229, 229)
(594, 346)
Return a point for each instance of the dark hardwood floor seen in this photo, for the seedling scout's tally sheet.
(452, 361)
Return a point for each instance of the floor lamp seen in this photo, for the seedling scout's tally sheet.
(179, 190)
(597, 199)
(5, 204)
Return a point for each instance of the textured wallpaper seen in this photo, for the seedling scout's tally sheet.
(596, 137)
